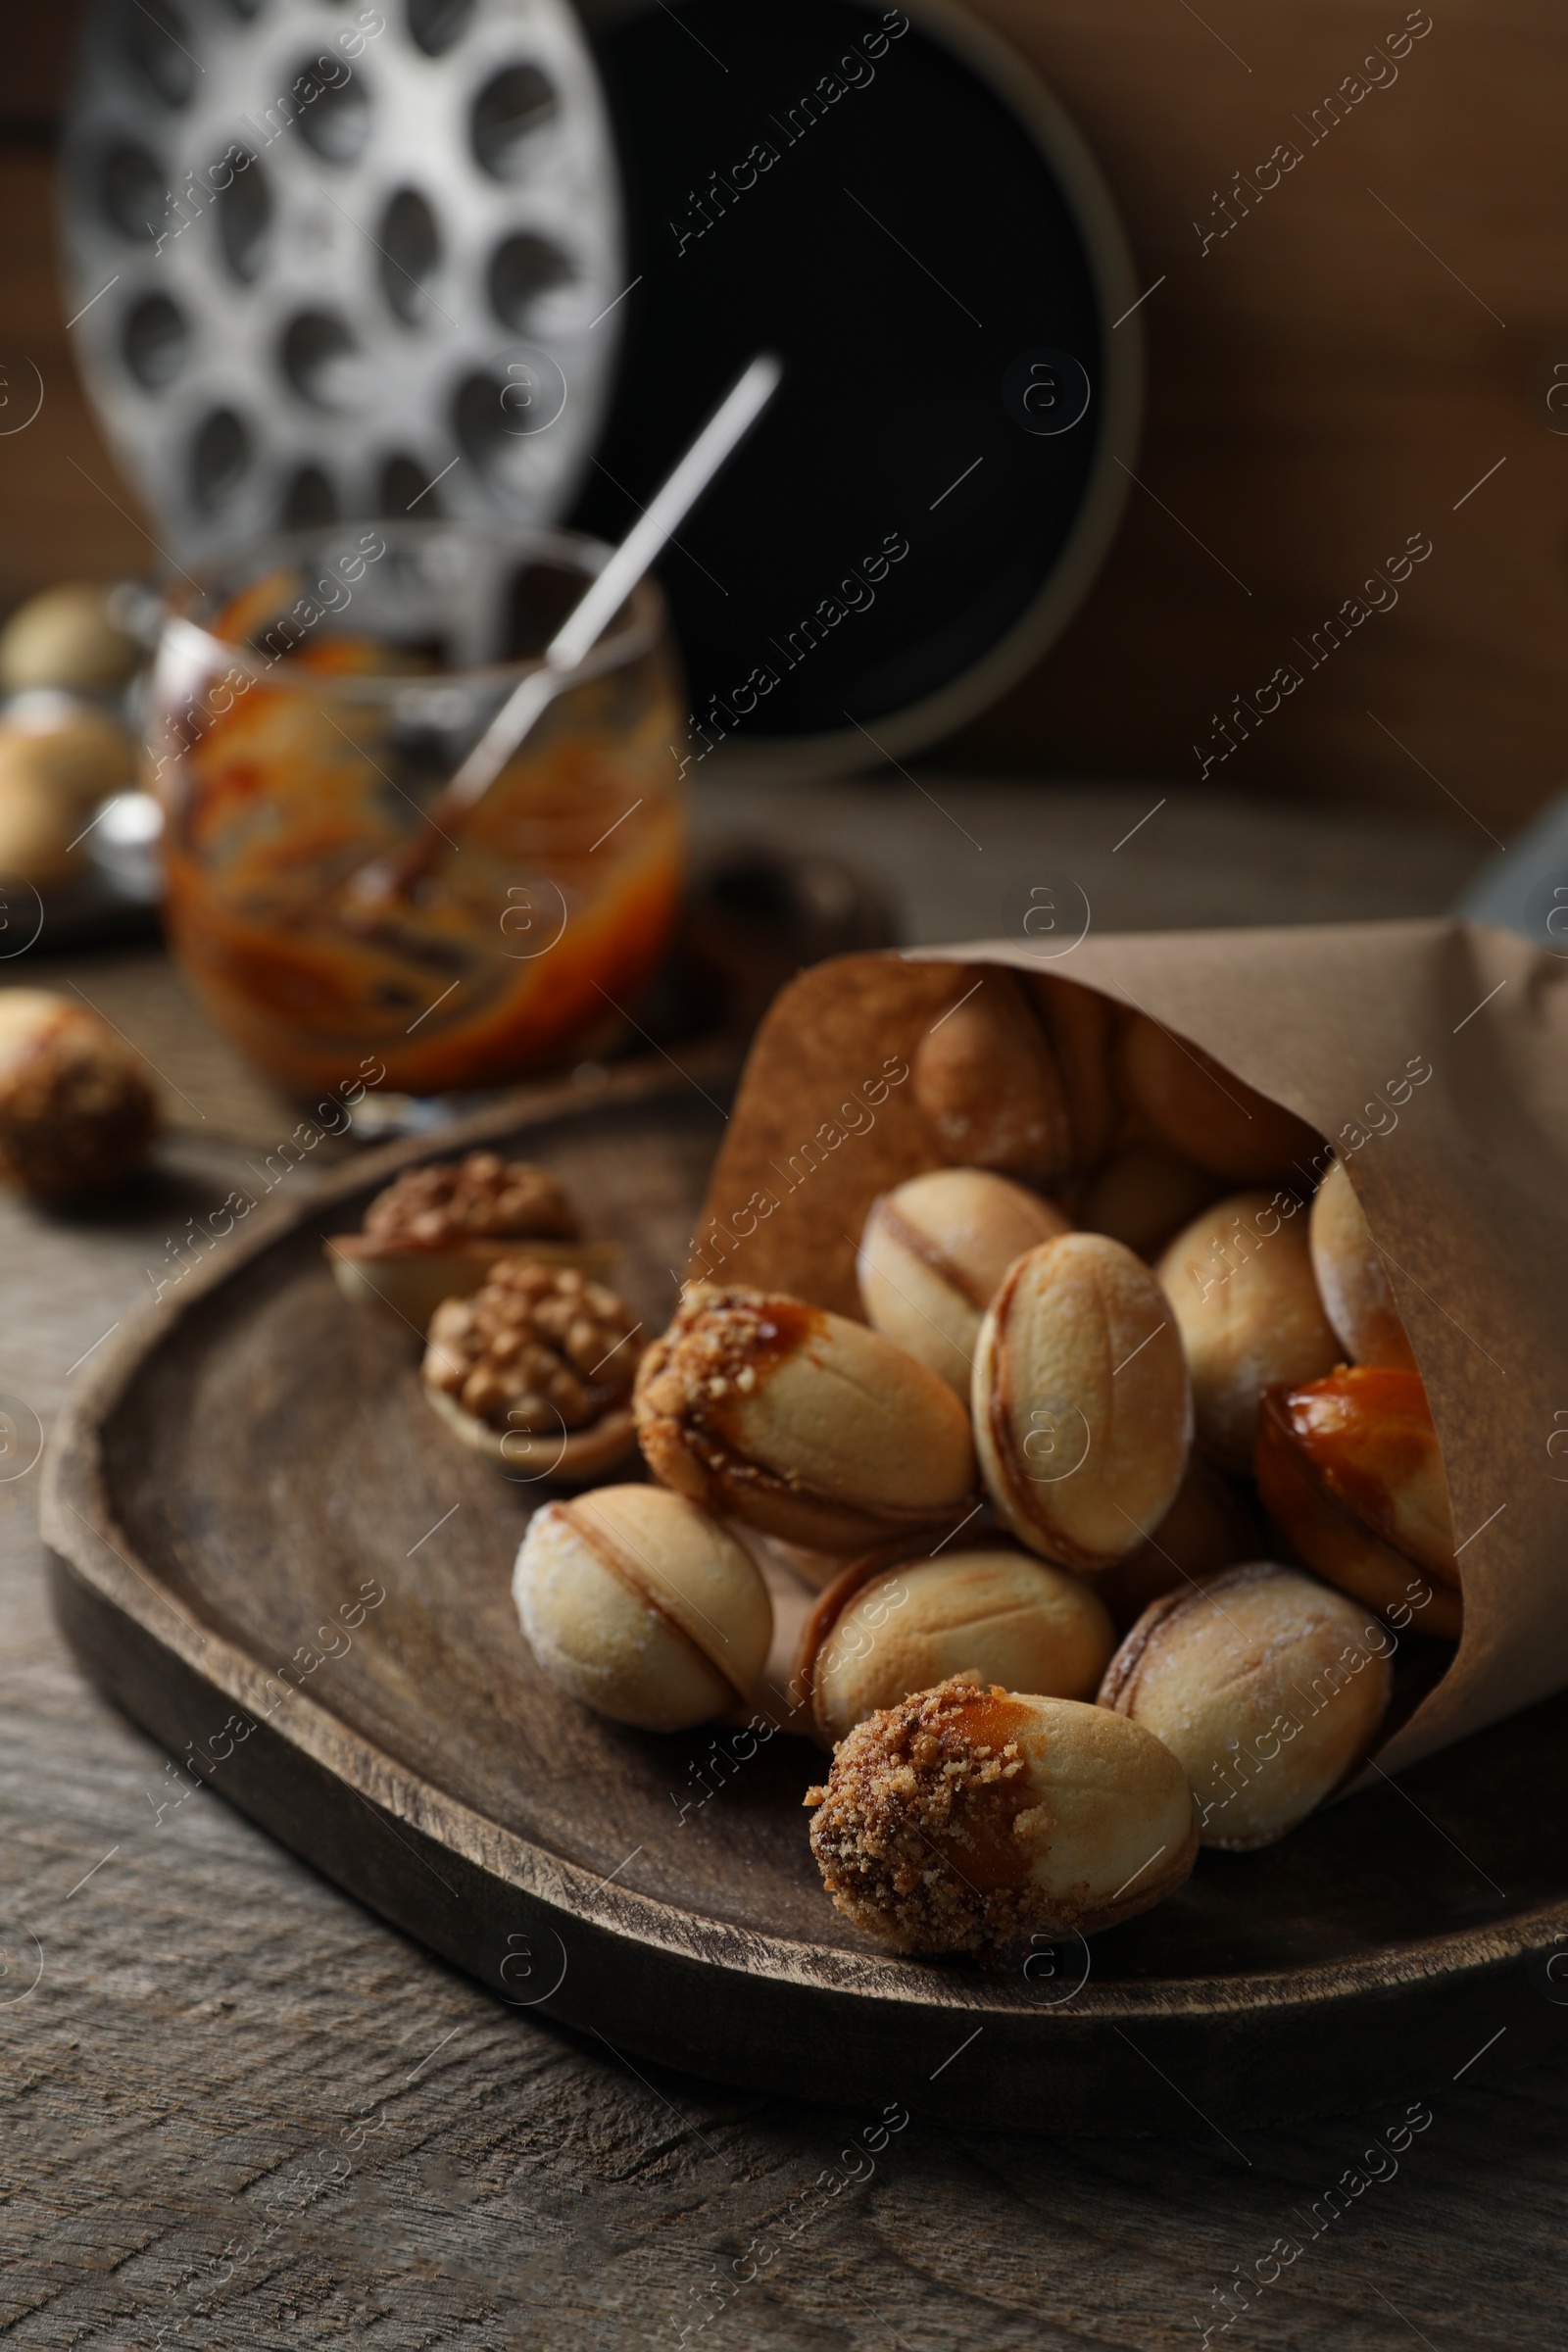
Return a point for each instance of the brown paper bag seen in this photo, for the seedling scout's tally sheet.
(1463, 1177)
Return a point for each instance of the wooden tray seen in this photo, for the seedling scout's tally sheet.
(257, 1461)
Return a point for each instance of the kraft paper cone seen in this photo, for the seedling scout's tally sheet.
(1466, 1185)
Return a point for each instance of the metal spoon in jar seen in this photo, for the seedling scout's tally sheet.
(388, 878)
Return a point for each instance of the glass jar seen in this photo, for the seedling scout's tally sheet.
(310, 699)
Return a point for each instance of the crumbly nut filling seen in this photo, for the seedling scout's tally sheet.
(915, 1833)
(479, 1198)
(721, 1337)
(538, 1349)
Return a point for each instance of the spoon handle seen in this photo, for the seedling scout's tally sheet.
(587, 620)
(389, 877)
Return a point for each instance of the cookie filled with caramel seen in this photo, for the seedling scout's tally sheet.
(801, 1423)
(1351, 1472)
(966, 1819)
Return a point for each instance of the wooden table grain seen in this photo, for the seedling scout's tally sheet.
(239, 2112)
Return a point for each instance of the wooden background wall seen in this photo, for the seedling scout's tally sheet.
(1324, 382)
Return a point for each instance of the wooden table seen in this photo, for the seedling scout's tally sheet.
(239, 2112)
